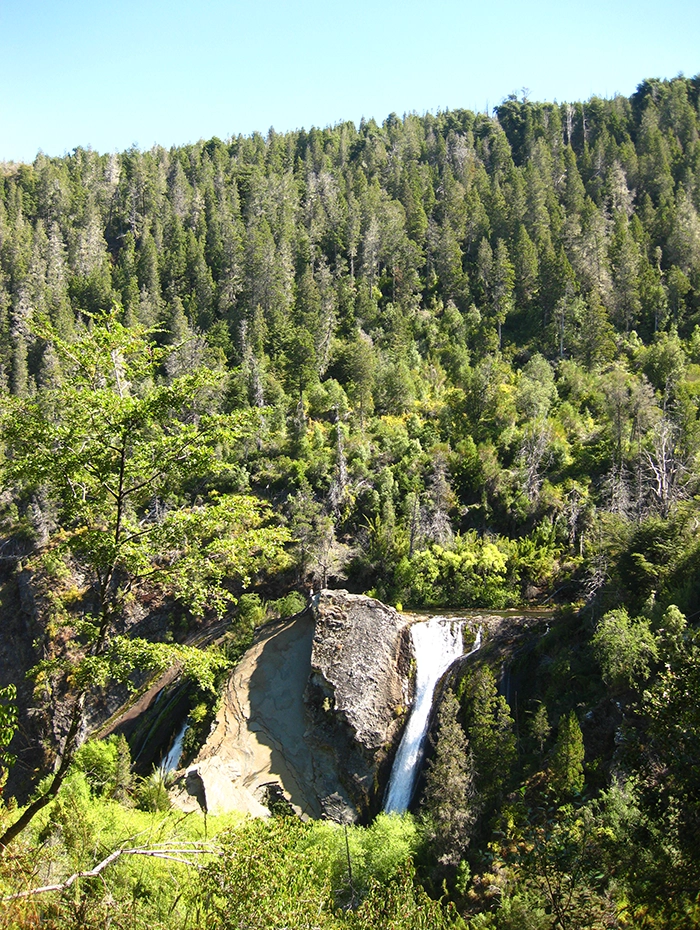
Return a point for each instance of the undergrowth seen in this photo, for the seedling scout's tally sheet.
(177, 872)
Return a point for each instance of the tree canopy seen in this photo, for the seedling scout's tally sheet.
(451, 360)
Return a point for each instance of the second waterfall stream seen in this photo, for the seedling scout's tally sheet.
(437, 643)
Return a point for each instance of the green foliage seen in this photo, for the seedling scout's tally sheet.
(448, 359)
(470, 572)
(377, 853)
(73, 818)
(125, 443)
(138, 891)
(258, 873)
(387, 844)
(340, 301)
(106, 765)
(288, 605)
(151, 792)
(126, 656)
(567, 757)
(540, 726)
(285, 873)
(401, 905)
(265, 876)
(563, 864)
(250, 614)
(625, 648)
(111, 447)
(672, 707)
(670, 638)
(449, 805)
(8, 727)
(489, 728)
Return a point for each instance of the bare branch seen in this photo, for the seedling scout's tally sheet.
(160, 851)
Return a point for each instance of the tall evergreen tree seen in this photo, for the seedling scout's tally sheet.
(567, 757)
(449, 805)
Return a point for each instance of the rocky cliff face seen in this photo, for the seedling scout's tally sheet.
(316, 707)
(358, 692)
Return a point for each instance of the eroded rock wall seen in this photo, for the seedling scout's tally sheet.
(358, 691)
(316, 706)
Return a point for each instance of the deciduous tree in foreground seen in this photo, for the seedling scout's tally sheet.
(134, 470)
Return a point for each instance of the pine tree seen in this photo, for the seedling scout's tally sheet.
(526, 269)
(567, 757)
(490, 729)
(448, 806)
(540, 727)
(503, 284)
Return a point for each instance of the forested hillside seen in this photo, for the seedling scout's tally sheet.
(473, 337)
(452, 360)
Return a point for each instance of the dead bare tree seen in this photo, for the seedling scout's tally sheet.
(534, 457)
(667, 471)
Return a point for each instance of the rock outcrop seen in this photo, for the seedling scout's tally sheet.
(258, 736)
(357, 694)
(315, 706)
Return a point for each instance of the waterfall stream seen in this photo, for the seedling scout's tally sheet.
(172, 759)
(437, 643)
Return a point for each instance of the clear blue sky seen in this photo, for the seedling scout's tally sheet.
(110, 74)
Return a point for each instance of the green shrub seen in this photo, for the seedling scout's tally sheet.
(287, 606)
(470, 572)
(285, 873)
(625, 649)
(377, 853)
(106, 765)
(152, 792)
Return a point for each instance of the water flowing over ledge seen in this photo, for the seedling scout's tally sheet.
(172, 759)
(437, 643)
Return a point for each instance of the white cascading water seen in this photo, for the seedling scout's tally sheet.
(437, 643)
(172, 760)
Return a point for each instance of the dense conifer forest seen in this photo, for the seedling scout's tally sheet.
(451, 360)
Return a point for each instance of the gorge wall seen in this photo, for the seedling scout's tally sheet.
(314, 709)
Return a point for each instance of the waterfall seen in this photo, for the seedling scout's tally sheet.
(437, 643)
(172, 760)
